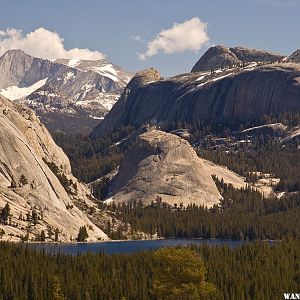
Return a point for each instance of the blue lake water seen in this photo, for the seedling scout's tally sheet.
(128, 246)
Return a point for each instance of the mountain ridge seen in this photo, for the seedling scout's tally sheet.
(221, 57)
(225, 95)
(55, 89)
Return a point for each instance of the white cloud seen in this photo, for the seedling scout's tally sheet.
(190, 35)
(137, 38)
(42, 43)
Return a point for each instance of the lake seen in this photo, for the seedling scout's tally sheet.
(128, 246)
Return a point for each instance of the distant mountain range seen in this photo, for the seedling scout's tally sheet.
(227, 85)
(63, 90)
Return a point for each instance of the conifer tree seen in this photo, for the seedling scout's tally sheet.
(179, 273)
(5, 213)
(43, 236)
(56, 289)
(34, 217)
(56, 232)
(82, 234)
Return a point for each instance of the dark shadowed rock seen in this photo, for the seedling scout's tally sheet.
(255, 55)
(229, 97)
(295, 57)
(119, 114)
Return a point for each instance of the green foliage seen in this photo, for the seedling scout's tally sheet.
(23, 180)
(56, 289)
(179, 273)
(266, 153)
(68, 184)
(92, 158)
(82, 234)
(56, 235)
(43, 236)
(242, 214)
(271, 158)
(4, 214)
(25, 237)
(34, 217)
(100, 188)
(253, 271)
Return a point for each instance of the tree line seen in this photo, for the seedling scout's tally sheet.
(252, 271)
(243, 214)
(92, 158)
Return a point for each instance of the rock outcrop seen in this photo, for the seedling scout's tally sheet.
(19, 69)
(250, 55)
(215, 58)
(295, 57)
(35, 175)
(218, 57)
(125, 109)
(163, 166)
(228, 96)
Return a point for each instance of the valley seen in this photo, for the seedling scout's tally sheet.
(207, 160)
(136, 159)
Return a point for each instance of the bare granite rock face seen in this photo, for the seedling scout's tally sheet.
(214, 58)
(20, 69)
(229, 96)
(161, 165)
(28, 184)
(220, 57)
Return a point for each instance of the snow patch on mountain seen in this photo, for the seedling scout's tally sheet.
(221, 77)
(107, 70)
(68, 76)
(73, 62)
(293, 133)
(218, 74)
(105, 99)
(96, 118)
(275, 126)
(15, 92)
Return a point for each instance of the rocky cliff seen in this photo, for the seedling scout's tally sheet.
(20, 69)
(226, 96)
(163, 166)
(220, 57)
(295, 57)
(35, 176)
(74, 88)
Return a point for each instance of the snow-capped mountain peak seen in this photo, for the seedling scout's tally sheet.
(102, 67)
(56, 86)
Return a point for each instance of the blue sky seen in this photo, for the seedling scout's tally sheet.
(112, 27)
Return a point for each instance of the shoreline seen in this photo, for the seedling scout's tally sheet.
(141, 240)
